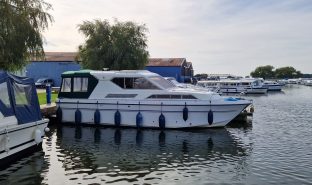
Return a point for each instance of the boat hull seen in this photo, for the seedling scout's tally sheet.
(16, 140)
(197, 115)
(274, 87)
(244, 90)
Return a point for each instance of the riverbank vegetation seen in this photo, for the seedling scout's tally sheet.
(268, 72)
(118, 46)
(22, 23)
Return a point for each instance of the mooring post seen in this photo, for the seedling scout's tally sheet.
(48, 94)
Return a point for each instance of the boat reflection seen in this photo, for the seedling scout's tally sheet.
(28, 170)
(114, 151)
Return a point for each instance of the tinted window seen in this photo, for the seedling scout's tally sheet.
(133, 83)
(171, 96)
(162, 82)
(121, 95)
(119, 81)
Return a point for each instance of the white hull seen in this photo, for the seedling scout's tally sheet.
(16, 138)
(274, 87)
(151, 110)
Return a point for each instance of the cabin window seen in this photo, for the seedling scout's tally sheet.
(80, 85)
(175, 96)
(66, 85)
(188, 97)
(171, 96)
(5, 105)
(245, 83)
(133, 83)
(162, 82)
(22, 94)
(142, 83)
(4, 95)
(120, 95)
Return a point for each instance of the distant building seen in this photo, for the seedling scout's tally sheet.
(178, 68)
(55, 63)
(53, 66)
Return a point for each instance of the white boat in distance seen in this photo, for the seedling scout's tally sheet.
(308, 82)
(21, 124)
(140, 99)
(272, 85)
(247, 86)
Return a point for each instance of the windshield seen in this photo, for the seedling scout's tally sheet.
(41, 80)
(162, 82)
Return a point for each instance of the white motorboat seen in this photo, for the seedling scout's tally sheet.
(247, 86)
(21, 124)
(308, 82)
(292, 81)
(140, 99)
(272, 85)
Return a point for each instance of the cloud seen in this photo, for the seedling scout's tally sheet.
(218, 36)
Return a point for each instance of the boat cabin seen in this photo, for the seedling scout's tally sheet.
(18, 98)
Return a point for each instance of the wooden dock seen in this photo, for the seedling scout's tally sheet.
(48, 110)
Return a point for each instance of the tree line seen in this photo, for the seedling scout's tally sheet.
(269, 72)
(117, 46)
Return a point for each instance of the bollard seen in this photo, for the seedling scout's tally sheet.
(48, 93)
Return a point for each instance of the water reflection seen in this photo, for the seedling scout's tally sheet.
(130, 154)
(29, 170)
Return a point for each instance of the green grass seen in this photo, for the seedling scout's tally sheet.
(43, 98)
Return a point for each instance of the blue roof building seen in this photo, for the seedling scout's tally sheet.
(53, 66)
(177, 68)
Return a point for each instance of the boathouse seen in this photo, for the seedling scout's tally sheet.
(179, 68)
(54, 64)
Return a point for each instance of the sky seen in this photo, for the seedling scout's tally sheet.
(217, 36)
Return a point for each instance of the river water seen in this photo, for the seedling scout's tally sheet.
(276, 149)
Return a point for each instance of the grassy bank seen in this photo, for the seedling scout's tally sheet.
(43, 100)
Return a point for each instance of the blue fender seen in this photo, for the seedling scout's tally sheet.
(139, 120)
(162, 121)
(77, 116)
(185, 113)
(97, 116)
(117, 118)
(210, 117)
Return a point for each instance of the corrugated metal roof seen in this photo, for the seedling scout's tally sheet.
(166, 61)
(58, 57)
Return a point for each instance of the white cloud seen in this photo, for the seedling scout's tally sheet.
(218, 36)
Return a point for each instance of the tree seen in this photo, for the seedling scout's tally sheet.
(118, 46)
(263, 72)
(287, 72)
(21, 25)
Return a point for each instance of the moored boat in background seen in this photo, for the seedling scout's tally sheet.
(247, 86)
(272, 85)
